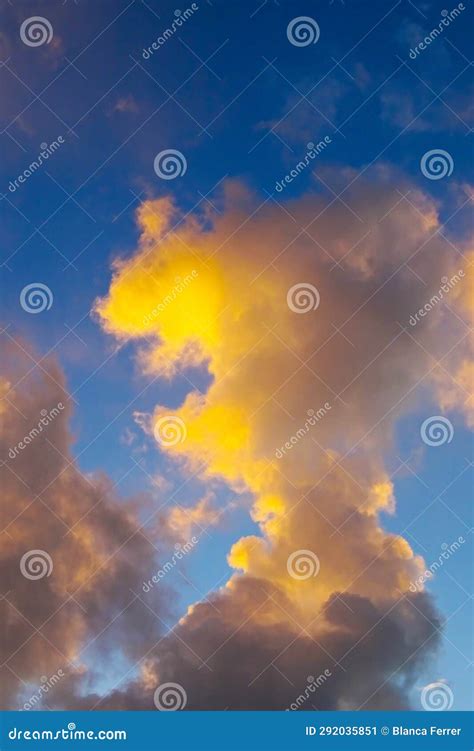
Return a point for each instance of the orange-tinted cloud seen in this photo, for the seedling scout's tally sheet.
(229, 299)
(70, 605)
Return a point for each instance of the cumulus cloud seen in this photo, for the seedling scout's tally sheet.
(299, 411)
(365, 265)
(75, 607)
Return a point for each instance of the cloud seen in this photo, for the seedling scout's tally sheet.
(317, 503)
(405, 109)
(83, 617)
(258, 659)
(314, 108)
(371, 261)
(182, 522)
(126, 104)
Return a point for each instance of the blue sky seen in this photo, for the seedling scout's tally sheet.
(220, 91)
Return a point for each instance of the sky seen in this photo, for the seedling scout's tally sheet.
(236, 221)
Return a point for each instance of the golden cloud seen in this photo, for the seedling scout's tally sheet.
(300, 316)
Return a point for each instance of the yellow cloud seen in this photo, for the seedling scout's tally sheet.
(272, 366)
